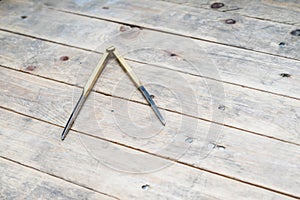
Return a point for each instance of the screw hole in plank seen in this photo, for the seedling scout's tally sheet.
(189, 140)
(282, 44)
(145, 187)
(286, 75)
(217, 5)
(221, 107)
(31, 68)
(230, 21)
(64, 58)
(295, 32)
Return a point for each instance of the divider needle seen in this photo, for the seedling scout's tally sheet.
(139, 85)
(92, 80)
(86, 91)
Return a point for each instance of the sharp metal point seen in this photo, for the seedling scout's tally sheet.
(73, 117)
(152, 104)
(138, 84)
(92, 80)
(86, 90)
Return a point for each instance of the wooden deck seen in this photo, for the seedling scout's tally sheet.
(226, 79)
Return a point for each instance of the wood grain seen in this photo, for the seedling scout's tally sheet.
(19, 182)
(242, 108)
(35, 143)
(230, 152)
(279, 11)
(67, 25)
(117, 141)
(198, 23)
(224, 64)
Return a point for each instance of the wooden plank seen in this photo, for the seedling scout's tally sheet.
(244, 108)
(279, 11)
(231, 152)
(225, 64)
(19, 182)
(228, 58)
(247, 33)
(35, 143)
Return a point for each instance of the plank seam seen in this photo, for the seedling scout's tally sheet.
(268, 20)
(229, 10)
(154, 65)
(171, 33)
(46, 40)
(153, 154)
(206, 77)
(166, 109)
(55, 176)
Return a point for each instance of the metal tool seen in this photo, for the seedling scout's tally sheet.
(92, 80)
(138, 84)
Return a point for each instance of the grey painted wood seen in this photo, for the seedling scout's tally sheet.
(35, 143)
(19, 182)
(230, 152)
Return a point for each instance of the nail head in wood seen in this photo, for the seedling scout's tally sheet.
(295, 32)
(230, 21)
(281, 44)
(217, 5)
(286, 75)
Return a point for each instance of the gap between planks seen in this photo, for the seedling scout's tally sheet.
(172, 33)
(241, 85)
(135, 101)
(57, 177)
(140, 150)
(74, 7)
(236, 7)
(184, 34)
(85, 131)
(136, 61)
(231, 126)
(165, 185)
(179, 112)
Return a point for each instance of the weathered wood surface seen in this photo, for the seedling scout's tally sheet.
(20, 182)
(26, 143)
(221, 63)
(198, 23)
(273, 10)
(240, 67)
(245, 108)
(255, 156)
(232, 153)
